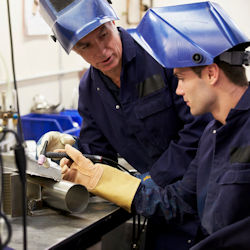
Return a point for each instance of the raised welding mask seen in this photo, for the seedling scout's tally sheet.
(71, 20)
(190, 35)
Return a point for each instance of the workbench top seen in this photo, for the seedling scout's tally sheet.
(52, 229)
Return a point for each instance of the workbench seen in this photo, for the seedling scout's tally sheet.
(52, 229)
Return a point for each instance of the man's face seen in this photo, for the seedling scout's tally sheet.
(102, 48)
(196, 91)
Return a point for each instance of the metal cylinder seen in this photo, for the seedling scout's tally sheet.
(63, 195)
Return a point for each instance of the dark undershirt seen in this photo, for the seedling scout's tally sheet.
(114, 89)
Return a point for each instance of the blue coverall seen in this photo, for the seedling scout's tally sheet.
(216, 185)
(145, 122)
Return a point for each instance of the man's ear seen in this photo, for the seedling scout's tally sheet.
(213, 72)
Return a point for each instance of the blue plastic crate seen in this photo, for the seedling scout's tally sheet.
(35, 125)
(73, 114)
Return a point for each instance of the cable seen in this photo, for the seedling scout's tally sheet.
(19, 124)
(3, 245)
(114, 163)
(5, 131)
(137, 232)
(19, 150)
(93, 158)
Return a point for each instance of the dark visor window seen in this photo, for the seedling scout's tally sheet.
(60, 4)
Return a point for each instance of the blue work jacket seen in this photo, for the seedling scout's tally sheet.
(216, 185)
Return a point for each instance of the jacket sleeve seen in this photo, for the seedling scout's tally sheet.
(174, 202)
(91, 139)
(234, 236)
(174, 162)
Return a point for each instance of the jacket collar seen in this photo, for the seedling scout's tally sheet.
(128, 46)
(242, 105)
(244, 102)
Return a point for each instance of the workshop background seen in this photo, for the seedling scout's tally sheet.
(41, 65)
(43, 69)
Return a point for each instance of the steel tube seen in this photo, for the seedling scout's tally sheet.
(62, 195)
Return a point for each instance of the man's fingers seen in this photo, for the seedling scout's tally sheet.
(59, 150)
(53, 135)
(67, 139)
(69, 174)
(46, 164)
(64, 161)
(64, 170)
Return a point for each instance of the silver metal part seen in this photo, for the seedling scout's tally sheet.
(63, 195)
(54, 172)
(12, 196)
(43, 184)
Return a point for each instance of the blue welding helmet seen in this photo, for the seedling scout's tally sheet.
(188, 35)
(71, 20)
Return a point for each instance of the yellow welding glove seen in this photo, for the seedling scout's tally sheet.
(56, 140)
(102, 180)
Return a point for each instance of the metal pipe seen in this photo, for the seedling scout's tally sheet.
(63, 195)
